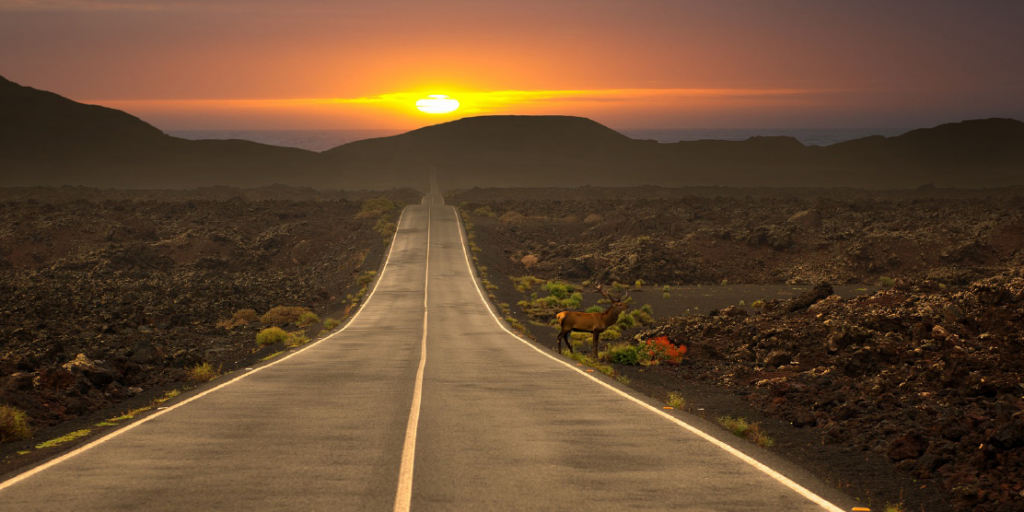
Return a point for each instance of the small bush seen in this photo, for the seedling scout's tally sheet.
(365, 278)
(625, 321)
(202, 372)
(296, 339)
(595, 309)
(378, 204)
(485, 211)
(675, 400)
(558, 290)
(640, 317)
(283, 315)
(623, 354)
(886, 282)
(308, 318)
(666, 295)
(638, 284)
(330, 324)
(666, 288)
(529, 260)
(240, 317)
(271, 335)
(385, 227)
(247, 315)
(13, 424)
(612, 333)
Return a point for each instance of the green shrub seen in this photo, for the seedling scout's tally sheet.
(641, 318)
(623, 354)
(308, 318)
(625, 321)
(666, 295)
(638, 284)
(366, 277)
(595, 309)
(283, 315)
(886, 282)
(271, 335)
(738, 426)
(485, 211)
(330, 324)
(295, 339)
(675, 400)
(612, 333)
(558, 290)
(647, 309)
(13, 424)
(378, 204)
(385, 227)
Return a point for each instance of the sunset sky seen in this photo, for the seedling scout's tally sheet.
(324, 64)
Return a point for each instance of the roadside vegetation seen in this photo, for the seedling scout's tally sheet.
(13, 424)
(202, 372)
(749, 431)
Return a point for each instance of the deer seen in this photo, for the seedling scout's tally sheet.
(596, 323)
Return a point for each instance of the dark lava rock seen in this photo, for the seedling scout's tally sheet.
(910, 446)
(809, 297)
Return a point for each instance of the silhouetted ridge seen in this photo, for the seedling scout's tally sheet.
(49, 140)
(46, 139)
(514, 134)
(40, 119)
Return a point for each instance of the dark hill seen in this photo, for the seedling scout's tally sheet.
(571, 151)
(46, 139)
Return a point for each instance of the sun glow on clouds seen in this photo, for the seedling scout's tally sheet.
(502, 101)
(399, 108)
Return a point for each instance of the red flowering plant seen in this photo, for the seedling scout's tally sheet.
(660, 350)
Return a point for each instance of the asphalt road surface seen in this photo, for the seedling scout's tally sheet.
(424, 401)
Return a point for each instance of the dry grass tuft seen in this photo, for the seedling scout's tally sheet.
(283, 315)
(13, 424)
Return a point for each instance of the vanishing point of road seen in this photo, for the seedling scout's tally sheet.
(423, 401)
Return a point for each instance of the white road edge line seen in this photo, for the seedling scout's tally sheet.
(78, 451)
(403, 497)
(799, 489)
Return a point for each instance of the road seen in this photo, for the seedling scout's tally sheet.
(423, 401)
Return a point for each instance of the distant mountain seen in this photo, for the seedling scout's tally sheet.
(46, 139)
(572, 151)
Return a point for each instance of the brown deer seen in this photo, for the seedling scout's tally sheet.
(590, 322)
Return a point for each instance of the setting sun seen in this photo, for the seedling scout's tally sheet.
(437, 104)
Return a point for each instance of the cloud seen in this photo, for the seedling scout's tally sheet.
(493, 101)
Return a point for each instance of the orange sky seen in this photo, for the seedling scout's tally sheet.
(189, 64)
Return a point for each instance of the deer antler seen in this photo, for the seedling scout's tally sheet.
(619, 297)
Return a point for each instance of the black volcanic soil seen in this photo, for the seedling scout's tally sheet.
(107, 295)
(749, 236)
(911, 394)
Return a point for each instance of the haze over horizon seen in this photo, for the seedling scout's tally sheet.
(316, 64)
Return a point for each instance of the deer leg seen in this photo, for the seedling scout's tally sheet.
(564, 335)
(597, 335)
